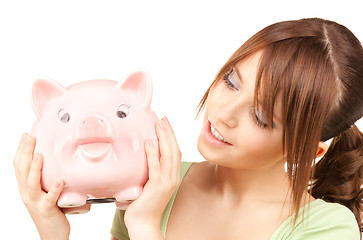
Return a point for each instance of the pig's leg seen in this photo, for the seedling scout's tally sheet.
(126, 196)
(122, 206)
(71, 199)
(77, 210)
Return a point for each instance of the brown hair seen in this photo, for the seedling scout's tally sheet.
(317, 67)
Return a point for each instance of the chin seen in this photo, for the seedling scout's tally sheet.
(208, 153)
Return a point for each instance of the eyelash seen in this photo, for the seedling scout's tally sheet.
(229, 84)
(255, 118)
(259, 122)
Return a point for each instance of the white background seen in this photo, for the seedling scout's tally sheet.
(181, 43)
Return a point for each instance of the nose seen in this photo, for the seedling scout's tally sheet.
(93, 126)
(229, 114)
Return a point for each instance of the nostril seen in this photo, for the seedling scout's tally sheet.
(93, 126)
(92, 123)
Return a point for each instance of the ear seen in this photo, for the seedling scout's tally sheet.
(322, 149)
(44, 90)
(139, 83)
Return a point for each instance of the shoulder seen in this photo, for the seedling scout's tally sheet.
(197, 173)
(334, 213)
(184, 169)
(324, 220)
(186, 165)
(330, 211)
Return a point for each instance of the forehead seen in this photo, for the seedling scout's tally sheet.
(251, 60)
(93, 87)
(247, 71)
(94, 93)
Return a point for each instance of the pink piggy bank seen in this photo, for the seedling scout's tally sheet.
(91, 135)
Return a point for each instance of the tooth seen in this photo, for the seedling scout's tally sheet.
(216, 134)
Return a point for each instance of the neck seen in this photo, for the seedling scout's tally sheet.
(263, 184)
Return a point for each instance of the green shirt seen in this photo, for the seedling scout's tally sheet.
(322, 220)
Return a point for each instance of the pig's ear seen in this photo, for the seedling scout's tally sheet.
(139, 83)
(44, 90)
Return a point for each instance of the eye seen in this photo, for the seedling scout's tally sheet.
(64, 116)
(231, 80)
(122, 111)
(260, 119)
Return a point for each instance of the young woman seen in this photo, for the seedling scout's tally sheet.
(281, 95)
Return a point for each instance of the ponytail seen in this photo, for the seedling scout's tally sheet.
(338, 176)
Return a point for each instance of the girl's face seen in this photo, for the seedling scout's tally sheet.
(234, 134)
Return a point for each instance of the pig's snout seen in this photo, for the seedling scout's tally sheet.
(93, 138)
(93, 126)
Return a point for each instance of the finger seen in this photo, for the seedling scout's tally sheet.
(53, 194)
(164, 146)
(23, 158)
(152, 159)
(174, 144)
(35, 175)
(171, 150)
(24, 146)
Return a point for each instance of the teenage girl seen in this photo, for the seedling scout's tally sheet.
(281, 95)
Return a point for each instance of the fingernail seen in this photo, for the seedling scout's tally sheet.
(150, 143)
(161, 124)
(58, 183)
(35, 157)
(166, 120)
(25, 139)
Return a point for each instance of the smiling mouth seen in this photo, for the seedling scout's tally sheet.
(216, 134)
(94, 147)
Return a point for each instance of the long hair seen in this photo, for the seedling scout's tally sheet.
(316, 66)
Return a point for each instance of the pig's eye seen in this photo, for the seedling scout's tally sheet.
(122, 111)
(64, 116)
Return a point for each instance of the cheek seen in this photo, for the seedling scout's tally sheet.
(260, 145)
(218, 93)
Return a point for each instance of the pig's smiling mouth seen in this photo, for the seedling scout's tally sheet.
(94, 148)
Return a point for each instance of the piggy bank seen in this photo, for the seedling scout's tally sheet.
(92, 135)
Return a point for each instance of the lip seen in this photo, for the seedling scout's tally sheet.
(211, 139)
(84, 141)
(94, 148)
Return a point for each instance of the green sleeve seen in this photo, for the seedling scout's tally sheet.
(119, 229)
(336, 224)
(320, 220)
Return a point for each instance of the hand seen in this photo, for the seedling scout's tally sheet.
(143, 216)
(48, 218)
